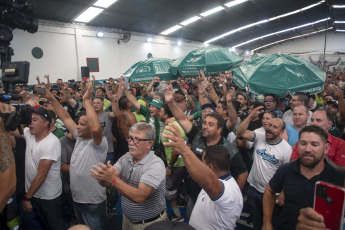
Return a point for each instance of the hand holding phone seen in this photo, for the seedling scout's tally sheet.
(329, 202)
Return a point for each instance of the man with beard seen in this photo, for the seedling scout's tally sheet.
(209, 135)
(270, 152)
(336, 154)
(298, 179)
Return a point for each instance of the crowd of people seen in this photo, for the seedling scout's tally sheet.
(200, 142)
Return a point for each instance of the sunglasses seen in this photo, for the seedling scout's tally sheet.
(269, 100)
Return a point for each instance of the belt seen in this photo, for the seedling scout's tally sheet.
(148, 220)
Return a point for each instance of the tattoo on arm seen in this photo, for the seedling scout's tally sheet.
(6, 154)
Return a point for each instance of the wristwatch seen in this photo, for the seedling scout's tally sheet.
(169, 167)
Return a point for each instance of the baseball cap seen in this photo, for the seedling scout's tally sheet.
(243, 94)
(334, 102)
(44, 113)
(157, 103)
(207, 105)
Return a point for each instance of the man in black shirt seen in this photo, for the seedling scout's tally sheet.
(298, 179)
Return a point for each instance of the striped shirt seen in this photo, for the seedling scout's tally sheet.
(150, 171)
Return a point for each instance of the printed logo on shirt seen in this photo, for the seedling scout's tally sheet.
(267, 157)
(103, 124)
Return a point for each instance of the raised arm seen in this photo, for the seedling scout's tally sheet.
(149, 88)
(189, 99)
(48, 80)
(7, 165)
(180, 117)
(200, 173)
(130, 97)
(242, 129)
(61, 112)
(339, 96)
(232, 121)
(92, 118)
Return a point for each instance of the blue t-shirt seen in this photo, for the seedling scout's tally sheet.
(292, 134)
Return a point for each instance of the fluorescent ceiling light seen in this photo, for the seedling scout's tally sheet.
(212, 11)
(338, 6)
(149, 39)
(191, 20)
(88, 14)
(303, 35)
(234, 3)
(179, 43)
(340, 30)
(170, 30)
(263, 21)
(104, 3)
(100, 34)
(281, 31)
(339, 21)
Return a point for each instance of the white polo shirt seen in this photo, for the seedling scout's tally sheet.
(221, 212)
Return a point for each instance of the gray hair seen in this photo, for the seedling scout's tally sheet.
(143, 126)
(159, 94)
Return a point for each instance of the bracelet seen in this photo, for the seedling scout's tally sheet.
(114, 181)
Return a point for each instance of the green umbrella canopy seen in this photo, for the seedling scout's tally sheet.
(146, 70)
(278, 74)
(209, 59)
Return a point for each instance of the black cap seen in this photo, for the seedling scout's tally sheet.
(44, 113)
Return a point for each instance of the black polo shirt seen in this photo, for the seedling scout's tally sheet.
(298, 190)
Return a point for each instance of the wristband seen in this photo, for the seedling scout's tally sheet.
(114, 181)
(26, 199)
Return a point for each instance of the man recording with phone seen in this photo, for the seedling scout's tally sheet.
(298, 179)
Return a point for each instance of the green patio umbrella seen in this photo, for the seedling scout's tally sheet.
(145, 71)
(278, 74)
(209, 59)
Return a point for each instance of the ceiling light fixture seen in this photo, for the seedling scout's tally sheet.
(171, 30)
(104, 3)
(212, 11)
(338, 6)
(100, 34)
(281, 31)
(263, 21)
(340, 30)
(339, 22)
(149, 39)
(234, 3)
(280, 41)
(179, 43)
(88, 14)
(190, 20)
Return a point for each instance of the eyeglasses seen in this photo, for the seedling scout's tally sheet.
(269, 100)
(135, 140)
(208, 111)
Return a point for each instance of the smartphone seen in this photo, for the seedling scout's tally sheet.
(41, 91)
(329, 202)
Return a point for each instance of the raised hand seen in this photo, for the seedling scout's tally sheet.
(168, 93)
(89, 90)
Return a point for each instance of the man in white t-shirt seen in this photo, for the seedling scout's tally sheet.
(42, 171)
(270, 151)
(220, 202)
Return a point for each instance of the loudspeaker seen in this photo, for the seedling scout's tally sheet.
(85, 72)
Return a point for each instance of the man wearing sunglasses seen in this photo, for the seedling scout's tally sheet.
(270, 102)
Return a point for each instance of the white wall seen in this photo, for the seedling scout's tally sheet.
(65, 49)
(313, 47)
